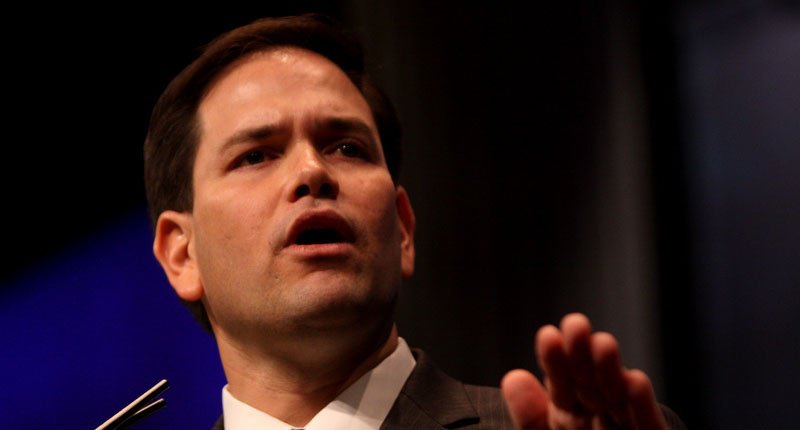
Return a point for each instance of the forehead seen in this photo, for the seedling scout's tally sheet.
(284, 83)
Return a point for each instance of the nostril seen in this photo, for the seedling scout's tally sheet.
(326, 190)
(302, 191)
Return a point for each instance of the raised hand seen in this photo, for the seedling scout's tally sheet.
(586, 386)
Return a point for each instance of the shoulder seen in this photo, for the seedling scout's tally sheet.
(432, 399)
(219, 425)
(490, 406)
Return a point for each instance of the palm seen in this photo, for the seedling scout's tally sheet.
(587, 387)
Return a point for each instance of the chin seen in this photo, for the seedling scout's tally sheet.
(337, 307)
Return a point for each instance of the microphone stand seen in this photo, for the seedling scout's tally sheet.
(138, 409)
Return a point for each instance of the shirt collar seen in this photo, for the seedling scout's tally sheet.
(362, 406)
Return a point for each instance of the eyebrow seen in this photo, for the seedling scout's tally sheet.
(343, 125)
(321, 126)
(253, 134)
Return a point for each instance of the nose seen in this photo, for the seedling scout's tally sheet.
(313, 177)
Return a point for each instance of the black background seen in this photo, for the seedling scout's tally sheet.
(507, 114)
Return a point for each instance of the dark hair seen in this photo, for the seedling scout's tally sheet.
(173, 136)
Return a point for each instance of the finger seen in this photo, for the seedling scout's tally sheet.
(577, 331)
(526, 399)
(610, 376)
(644, 409)
(553, 361)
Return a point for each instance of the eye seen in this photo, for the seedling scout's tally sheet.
(253, 157)
(350, 150)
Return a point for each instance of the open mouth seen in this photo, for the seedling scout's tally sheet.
(320, 228)
(315, 236)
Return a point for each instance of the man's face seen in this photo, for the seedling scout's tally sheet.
(296, 223)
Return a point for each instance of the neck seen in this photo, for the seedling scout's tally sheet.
(295, 387)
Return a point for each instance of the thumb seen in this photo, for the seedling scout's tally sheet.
(526, 399)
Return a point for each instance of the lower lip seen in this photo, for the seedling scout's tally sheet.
(321, 250)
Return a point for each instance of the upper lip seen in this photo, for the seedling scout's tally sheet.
(320, 219)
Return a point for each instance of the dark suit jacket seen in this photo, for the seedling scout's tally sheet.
(432, 400)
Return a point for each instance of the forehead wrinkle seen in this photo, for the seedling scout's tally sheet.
(270, 73)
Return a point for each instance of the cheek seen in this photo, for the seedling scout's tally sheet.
(379, 200)
(229, 232)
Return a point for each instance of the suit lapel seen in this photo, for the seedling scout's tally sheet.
(430, 400)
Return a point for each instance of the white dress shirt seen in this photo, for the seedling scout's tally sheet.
(362, 406)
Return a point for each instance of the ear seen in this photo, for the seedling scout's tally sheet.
(407, 224)
(174, 249)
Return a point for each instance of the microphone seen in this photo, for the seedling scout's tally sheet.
(138, 409)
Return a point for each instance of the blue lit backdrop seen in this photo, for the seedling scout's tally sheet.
(91, 329)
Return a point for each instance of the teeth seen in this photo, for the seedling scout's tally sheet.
(318, 235)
